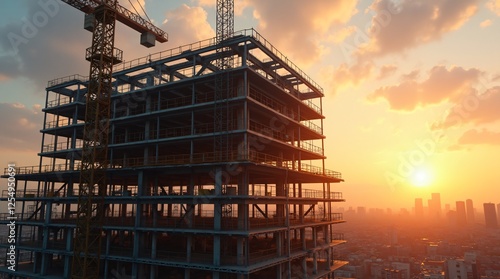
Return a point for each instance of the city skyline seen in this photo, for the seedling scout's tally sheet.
(411, 90)
(418, 209)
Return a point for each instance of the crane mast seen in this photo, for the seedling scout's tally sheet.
(102, 55)
(223, 90)
(224, 30)
(90, 213)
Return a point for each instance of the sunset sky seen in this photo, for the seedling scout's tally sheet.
(412, 87)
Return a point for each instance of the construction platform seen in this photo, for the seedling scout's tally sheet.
(177, 206)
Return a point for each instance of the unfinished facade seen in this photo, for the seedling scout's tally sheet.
(190, 196)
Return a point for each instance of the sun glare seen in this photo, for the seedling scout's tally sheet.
(421, 178)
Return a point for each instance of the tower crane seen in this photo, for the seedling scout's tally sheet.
(101, 17)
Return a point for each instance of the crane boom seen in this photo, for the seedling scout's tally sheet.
(124, 16)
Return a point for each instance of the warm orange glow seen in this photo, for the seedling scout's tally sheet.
(421, 178)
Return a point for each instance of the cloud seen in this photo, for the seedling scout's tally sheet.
(442, 84)
(188, 25)
(409, 23)
(29, 48)
(239, 5)
(46, 37)
(473, 109)
(480, 137)
(340, 35)
(135, 6)
(20, 128)
(300, 29)
(494, 6)
(344, 76)
(387, 70)
(485, 23)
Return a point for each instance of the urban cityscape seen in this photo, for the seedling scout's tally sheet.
(427, 240)
(249, 139)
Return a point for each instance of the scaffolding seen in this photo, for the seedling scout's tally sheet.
(174, 206)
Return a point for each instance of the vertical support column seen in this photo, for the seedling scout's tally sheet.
(243, 213)
(46, 236)
(67, 259)
(108, 245)
(301, 205)
(315, 253)
(153, 272)
(138, 216)
(279, 271)
(329, 212)
(189, 218)
(304, 267)
(217, 221)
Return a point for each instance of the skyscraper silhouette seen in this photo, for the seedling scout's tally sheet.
(490, 215)
(470, 212)
(461, 215)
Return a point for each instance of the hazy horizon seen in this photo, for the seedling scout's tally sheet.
(412, 88)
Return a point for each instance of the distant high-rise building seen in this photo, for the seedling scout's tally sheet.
(361, 210)
(446, 208)
(419, 207)
(490, 215)
(455, 268)
(436, 197)
(461, 215)
(498, 213)
(470, 212)
(431, 209)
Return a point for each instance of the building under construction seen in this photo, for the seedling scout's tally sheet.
(200, 185)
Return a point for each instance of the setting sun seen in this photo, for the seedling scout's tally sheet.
(421, 178)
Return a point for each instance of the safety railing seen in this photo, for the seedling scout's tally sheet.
(195, 158)
(57, 123)
(59, 101)
(311, 147)
(189, 72)
(60, 146)
(257, 36)
(309, 124)
(61, 80)
(44, 169)
(273, 104)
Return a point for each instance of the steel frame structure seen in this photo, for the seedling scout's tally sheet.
(163, 201)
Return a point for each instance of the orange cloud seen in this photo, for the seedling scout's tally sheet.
(299, 29)
(135, 6)
(413, 22)
(187, 25)
(480, 137)
(494, 6)
(387, 70)
(344, 75)
(473, 109)
(485, 23)
(239, 5)
(442, 84)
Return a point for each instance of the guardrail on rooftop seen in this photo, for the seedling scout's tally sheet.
(195, 46)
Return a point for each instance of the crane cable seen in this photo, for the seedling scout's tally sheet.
(142, 8)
